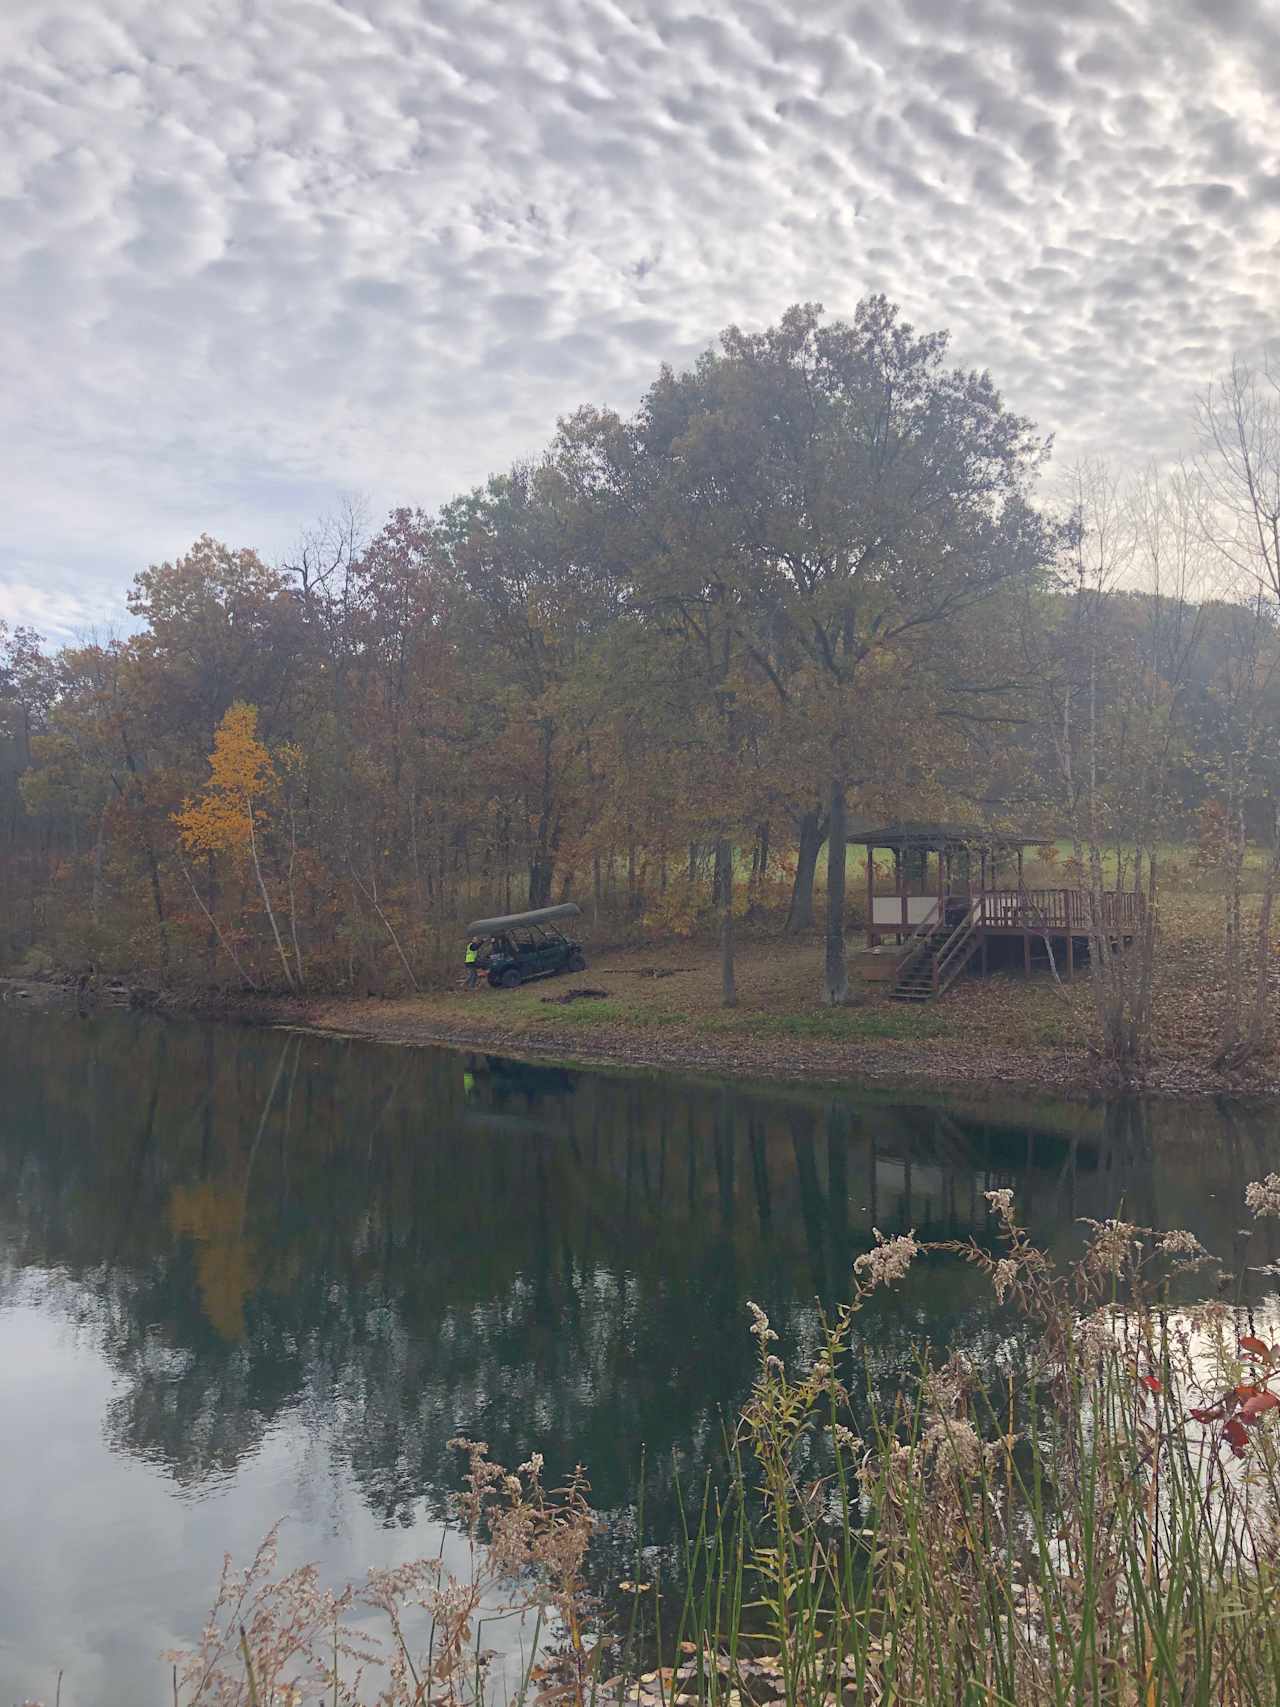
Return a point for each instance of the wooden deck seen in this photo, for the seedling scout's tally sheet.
(942, 937)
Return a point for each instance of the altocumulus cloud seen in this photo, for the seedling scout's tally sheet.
(256, 251)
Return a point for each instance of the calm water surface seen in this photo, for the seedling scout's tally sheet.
(249, 1275)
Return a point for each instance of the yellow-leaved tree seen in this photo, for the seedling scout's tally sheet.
(228, 818)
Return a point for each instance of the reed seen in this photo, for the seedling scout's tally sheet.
(1093, 1518)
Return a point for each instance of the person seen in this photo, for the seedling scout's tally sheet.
(471, 960)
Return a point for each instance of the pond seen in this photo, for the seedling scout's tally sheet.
(249, 1275)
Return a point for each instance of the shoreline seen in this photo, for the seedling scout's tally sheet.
(914, 1066)
(407, 1022)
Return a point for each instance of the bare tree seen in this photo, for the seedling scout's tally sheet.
(1115, 695)
(1239, 456)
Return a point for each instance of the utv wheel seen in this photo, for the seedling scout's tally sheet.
(577, 961)
(510, 979)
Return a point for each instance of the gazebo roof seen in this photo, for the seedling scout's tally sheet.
(942, 836)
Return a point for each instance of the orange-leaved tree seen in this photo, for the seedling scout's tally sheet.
(229, 817)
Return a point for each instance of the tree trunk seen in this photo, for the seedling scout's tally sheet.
(836, 989)
(211, 908)
(213, 923)
(1231, 1022)
(717, 873)
(540, 875)
(759, 862)
(1255, 1039)
(153, 864)
(293, 902)
(266, 902)
(800, 913)
(413, 850)
(99, 848)
(157, 901)
(370, 893)
(724, 870)
(542, 865)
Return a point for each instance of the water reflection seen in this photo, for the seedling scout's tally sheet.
(364, 1251)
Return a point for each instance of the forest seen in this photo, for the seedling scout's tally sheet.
(664, 668)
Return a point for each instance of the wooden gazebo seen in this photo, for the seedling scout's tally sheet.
(959, 902)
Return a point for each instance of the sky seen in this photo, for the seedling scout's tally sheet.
(259, 254)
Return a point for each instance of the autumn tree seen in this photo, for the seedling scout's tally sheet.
(234, 813)
(860, 494)
(219, 626)
(28, 688)
(531, 607)
(108, 751)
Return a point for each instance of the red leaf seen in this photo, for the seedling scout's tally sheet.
(1203, 1416)
(1150, 1383)
(1245, 1391)
(1255, 1407)
(1236, 1436)
(1259, 1348)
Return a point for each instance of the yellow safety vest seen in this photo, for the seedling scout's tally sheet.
(472, 955)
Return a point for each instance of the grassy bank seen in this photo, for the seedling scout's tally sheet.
(655, 1000)
(1090, 1513)
(660, 1004)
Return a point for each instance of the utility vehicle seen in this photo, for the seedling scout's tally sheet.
(529, 945)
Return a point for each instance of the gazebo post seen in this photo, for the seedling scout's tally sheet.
(872, 938)
(942, 886)
(897, 889)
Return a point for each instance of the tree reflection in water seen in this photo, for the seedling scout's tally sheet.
(397, 1246)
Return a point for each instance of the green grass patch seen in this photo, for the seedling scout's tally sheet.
(839, 1025)
(597, 1011)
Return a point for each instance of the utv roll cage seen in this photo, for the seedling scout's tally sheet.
(529, 945)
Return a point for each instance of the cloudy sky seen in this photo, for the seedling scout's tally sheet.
(258, 253)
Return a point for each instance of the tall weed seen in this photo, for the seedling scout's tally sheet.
(1093, 1516)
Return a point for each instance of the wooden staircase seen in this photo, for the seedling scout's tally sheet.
(936, 956)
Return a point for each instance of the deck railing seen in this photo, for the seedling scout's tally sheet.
(1058, 910)
(956, 953)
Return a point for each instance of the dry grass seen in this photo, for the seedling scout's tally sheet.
(1092, 1516)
